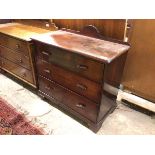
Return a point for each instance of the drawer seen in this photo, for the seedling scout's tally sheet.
(86, 67)
(15, 44)
(76, 102)
(17, 70)
(80, 85)
(16, 57)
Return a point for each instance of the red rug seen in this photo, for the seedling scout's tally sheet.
(15, 123)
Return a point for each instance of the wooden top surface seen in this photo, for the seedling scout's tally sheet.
(102, 50)
(21, 31)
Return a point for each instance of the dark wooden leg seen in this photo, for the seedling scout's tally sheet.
(112, 109)
(95, 127)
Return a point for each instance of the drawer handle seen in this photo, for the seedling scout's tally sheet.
(81, 105)
(47, 87)
(82, 87)
(82, 67)
(44, 61)
(17, 46)
(45, 53)
(46, 71)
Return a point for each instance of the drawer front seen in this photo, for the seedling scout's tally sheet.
(71, 61)
(17, 70)
(15, 44)
(78, 103)
(82, 86)
(16, 57)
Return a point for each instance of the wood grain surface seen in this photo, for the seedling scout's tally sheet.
(139, 72)
(102, 50)
(112, 28)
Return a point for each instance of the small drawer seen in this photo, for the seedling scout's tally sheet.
(74, 82)
(17, 70)
(15, 57)
(88, 68)
(76, 102)
(15, 44)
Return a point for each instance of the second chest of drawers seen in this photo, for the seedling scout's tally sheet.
(17, 51)
(16, 58)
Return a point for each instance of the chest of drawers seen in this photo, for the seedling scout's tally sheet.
(16, 51)
(72, 70)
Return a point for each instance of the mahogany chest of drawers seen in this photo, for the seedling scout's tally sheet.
(71, 71)
(16, 51)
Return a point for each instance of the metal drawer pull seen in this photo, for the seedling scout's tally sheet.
(17, 45)
(47, 87)
(43, 60)
(82, 87)
(45, 53)
(80, 105)
(82, 67)
(46, 71)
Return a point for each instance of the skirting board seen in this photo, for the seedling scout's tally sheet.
(131, 98)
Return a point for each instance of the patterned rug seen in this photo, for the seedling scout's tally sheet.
(14, 123)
